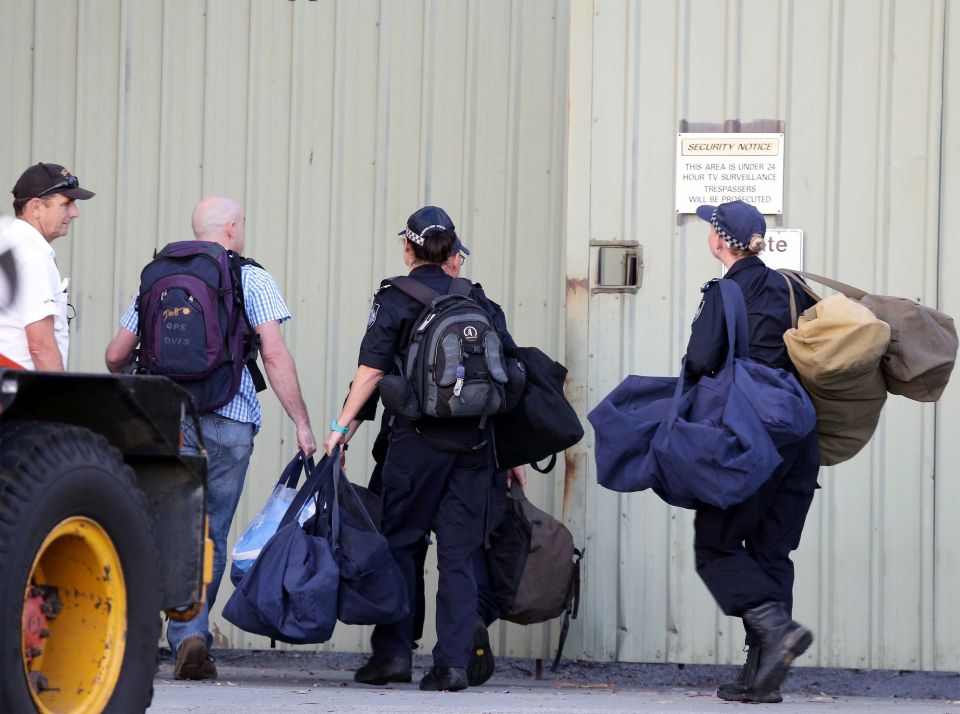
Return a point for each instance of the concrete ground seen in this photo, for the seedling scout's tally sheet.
(290, 681)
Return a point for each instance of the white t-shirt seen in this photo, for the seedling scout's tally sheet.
(40, 292)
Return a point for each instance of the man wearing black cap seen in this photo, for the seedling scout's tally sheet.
(33, 326)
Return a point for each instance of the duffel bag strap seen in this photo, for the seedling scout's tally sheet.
(848, 290)
(793, 301)
(546, 469)
(572, 609)
(795, 277)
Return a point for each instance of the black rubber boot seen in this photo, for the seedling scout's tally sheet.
(782, 641)
(384, 671)
(741, 690)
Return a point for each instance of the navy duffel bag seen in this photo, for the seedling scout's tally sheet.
(290, 592)
(714, 443)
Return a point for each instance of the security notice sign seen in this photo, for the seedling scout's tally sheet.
(716, 168)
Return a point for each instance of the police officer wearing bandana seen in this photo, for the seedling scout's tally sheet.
(425, 486)
(743, 552)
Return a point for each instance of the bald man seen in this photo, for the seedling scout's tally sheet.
(227, 432)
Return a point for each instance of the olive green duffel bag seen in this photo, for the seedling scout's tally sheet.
(837, 346)
(923, 342)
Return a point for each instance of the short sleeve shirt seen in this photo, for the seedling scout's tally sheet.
(263, 303)
(40, 292)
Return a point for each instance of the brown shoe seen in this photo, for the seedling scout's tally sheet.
(193, 660)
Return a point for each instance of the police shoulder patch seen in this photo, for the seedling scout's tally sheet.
(709, 284)
(699, 310)
(374, 311)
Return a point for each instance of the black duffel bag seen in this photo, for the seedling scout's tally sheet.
(543, 422)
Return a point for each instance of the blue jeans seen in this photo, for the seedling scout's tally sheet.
(229, 445)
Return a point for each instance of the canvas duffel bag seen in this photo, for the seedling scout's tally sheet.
(714, 441)
(923, 342)
(534, 567)
(836, 347)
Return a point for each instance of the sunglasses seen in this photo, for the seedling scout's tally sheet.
(68, 182)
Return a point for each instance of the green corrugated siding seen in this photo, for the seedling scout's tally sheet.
(540, 125)
(864, 91)
(330, 122)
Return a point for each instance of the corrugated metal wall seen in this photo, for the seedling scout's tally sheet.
(540, 125)
(864, 89)
(330, 122)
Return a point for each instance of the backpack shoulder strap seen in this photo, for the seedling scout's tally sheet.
(460, 286)
(415, 289)
(252, 348)
(249, 261)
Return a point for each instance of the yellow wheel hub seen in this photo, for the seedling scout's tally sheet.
(75, 665)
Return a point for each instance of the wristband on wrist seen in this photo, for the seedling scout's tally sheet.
(334, 426)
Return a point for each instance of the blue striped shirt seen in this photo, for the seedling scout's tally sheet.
(263, 303)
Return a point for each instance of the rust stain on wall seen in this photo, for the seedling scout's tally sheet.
(570, 475)
(576, 284)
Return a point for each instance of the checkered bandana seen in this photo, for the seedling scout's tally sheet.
(729, 239)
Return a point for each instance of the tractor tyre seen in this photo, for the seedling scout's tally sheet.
(79, 594)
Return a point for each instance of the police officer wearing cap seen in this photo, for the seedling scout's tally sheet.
(426, 485)
(743, 552)
(34, 325)
(482, 662)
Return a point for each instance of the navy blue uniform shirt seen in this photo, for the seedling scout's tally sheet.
(768, 317)
(391, 320)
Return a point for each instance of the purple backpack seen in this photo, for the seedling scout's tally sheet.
(193, 325)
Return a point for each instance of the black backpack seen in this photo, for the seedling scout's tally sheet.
(193, 324)
(455, 365)
(533, 566)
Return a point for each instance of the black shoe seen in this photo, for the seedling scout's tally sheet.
(444, 679)
(783, 640)
(384, 671)
(741, 690)
(481, 665)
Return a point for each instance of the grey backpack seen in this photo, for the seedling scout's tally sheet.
(455, 365)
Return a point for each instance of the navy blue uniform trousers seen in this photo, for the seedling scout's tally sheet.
(426, 489)
(487, 609)
(743, 552)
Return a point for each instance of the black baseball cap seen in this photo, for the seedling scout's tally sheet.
(46, 179)
(430, 218)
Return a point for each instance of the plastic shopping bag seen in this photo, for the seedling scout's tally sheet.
(266, 522)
